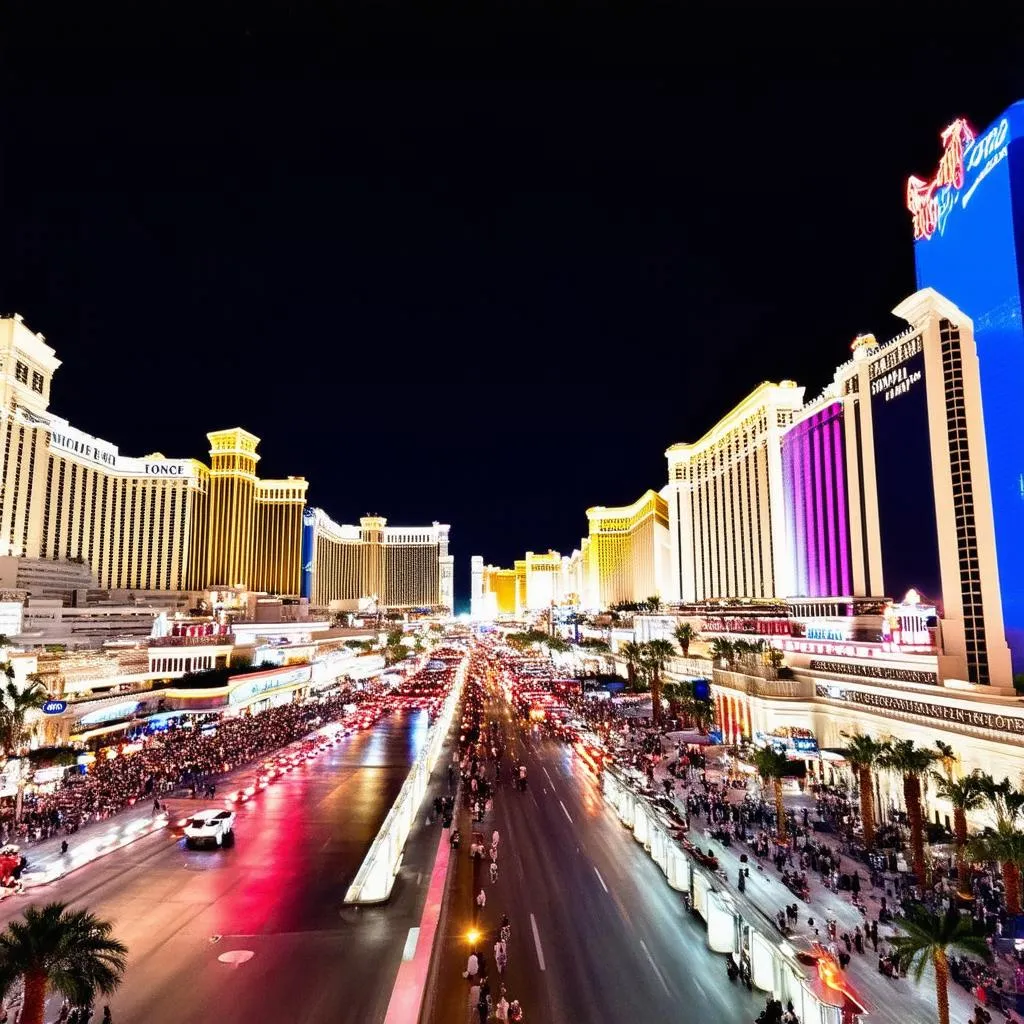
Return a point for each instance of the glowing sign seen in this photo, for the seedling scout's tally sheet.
(966, 161)
(55, 707)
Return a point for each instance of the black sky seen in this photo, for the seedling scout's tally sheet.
(482, 273)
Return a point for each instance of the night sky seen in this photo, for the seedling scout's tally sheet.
(481, 273)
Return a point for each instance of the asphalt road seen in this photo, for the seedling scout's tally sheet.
(272, 903)
(597, 934)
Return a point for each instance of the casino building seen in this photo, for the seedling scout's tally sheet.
(349, 567)
(159, 524)
(968, 226)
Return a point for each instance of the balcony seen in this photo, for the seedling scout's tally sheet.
(760, 685)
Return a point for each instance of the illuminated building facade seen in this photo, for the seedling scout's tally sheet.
(727, 527)
(375, 565)
(628, 551)
(175, 524)
(968, 225)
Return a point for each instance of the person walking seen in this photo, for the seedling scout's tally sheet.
(494, 872)
(472, 966)
(500, 956)
(481, 899)
(107, 1019)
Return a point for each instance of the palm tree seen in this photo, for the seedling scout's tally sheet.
(949, 758)
(655, 654)
(722, 650)
(864, 753)
(700, 712)
(912, 762)
(927, 941)
(15, 703)
(685, 634)
(653, 603)
(633, 653)
(966, 794)
(771, 764)
(1005, 844)
(70, 952)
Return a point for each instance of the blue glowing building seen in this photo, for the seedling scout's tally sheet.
(968, 225)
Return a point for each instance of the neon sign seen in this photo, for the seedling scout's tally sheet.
(964, 155)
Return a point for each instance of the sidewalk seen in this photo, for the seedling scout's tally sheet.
(889, 1000)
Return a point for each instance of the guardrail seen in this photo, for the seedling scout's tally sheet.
(734, 928)
(376, 875)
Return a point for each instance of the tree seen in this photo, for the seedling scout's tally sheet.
(701, 713)
(655, 654)
(966, 794)
(633, 653)
(685, 634)
(949, 758)
(912, 762)
(394, 648)
(556, 644)
(653, 603)
(927, 941)
(864, 753)
(772, 766)
(1004, 844)
(723, 650)
(70, 952)
(774, 657)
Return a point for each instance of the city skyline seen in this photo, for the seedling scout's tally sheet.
(241, 283)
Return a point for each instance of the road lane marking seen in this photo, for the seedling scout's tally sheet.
(551, 780)
(600, 879)
(410, 944)
(654, 967)
(565, 812)
(536, 939)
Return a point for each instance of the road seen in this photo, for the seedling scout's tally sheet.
(272, 903)
(597, 934)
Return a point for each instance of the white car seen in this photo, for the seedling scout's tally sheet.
(215, 826)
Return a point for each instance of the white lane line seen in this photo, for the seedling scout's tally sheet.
(565, 812)
(410, 944)
(536, 939)
(654, 966)
(551, 780)
(600, 879)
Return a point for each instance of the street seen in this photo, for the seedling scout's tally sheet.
(597, 934)
(271, 905)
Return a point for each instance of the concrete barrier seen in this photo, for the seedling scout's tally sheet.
(376, 875)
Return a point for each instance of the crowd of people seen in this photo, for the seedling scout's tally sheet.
(477, 762)
(189, 755)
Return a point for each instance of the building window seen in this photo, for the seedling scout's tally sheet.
(21, 372)
(37, 382)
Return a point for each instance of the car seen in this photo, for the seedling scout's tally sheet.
(211, 827)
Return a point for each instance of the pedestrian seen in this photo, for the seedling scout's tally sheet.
(472, 966)
(63, 847)
(494, 872)
(481, 899)
(495, 838)
(482, 1008)
(106, 1015)
(855, 883)
(501, 1009)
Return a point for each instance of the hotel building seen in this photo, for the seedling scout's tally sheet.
(726, 523)
(174, 524)
(348, 568)
(628, 552)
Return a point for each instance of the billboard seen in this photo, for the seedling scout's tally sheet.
(903, 475)
(968, 223)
